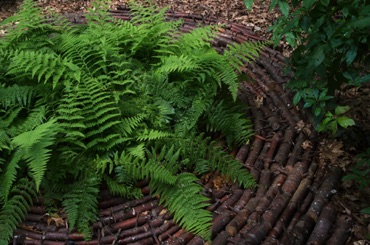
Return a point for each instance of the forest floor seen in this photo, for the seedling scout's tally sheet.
(336, 152)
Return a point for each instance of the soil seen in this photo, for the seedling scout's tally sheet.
(335, 152)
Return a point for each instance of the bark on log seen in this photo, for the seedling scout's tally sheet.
(221, 238)
(304, 227)
(321, 232)
(342, 231)
(221, 221)
(124, 205)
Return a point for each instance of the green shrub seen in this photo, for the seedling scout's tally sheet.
(360, 174)
(331, 41)
(114, 102)
(361, 171)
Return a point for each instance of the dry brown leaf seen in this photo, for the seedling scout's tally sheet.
(163, 211)
(56, 220)
(218, 182)
(307, 145)
(300, 125)
(259, 101)
(331, 151)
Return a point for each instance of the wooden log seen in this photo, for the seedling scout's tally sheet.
(235, 196)
(282, 153)
(261, 78)
(48, 242)
(142, 238)
(182, 239)
(31, 242)
(219, 223)
(342, 231)
(34, 217)
(274, 208)
(196, 241)
(129, 223)
(237, 222)
(293, 204)
(303, 206)
(40, 210)
(63, 236)
(255, 151)
(297, 150)
(165, 235)
(242, 154)
(243, 200)
(28, 234)
(127, 214)
(306, 224)
(264, 183)
(321, 232)
(221, 238)
(156, 222)
(92, 242)
(272, 119)
(125, 205)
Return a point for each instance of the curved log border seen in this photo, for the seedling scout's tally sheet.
(290, 205)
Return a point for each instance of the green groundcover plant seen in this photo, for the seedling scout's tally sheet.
(331, 48)
(112, 102)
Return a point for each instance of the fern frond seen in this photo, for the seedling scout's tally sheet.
(36, 117)
(81, 204)
(4, 140)
(238, 54)
(45, 65)
(184, 199)
(14, 210)
(166, 155)
(129, 124)
(31, 31)
(197, 40)
(33, 146)
(177, 64)
(123, 190)
(21, 96)
(229, 166)
(9, 176)
(148, 135)
(145, 169)
(203, 155)
(228, 118)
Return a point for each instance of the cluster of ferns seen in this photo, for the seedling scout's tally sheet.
(110, 103)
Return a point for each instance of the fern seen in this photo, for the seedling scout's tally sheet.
(202, 155)
(240, 54)
(188, 205)
(9, 176)
(18, 95)
(81, 204)
(227, 118)
(124, 190)
(114, 102)
(45, 65)
(142, 169)
(14, 210)
(33, 148)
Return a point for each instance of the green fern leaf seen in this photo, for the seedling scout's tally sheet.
(14, 210)
(33, 146)
(123, 190)
(184, 199)
(81, 204)
(9, 176)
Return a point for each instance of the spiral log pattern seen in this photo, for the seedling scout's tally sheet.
(292, 203)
